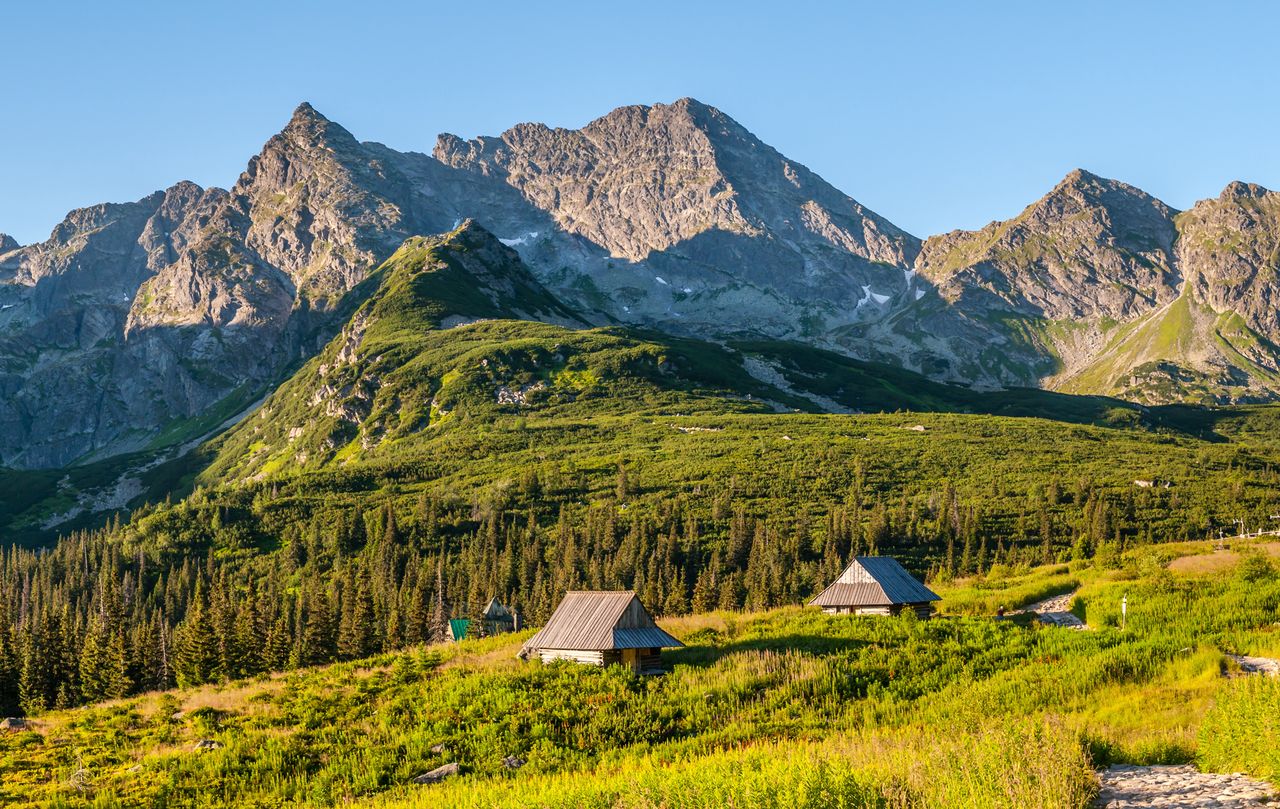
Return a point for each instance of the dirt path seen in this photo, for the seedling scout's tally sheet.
(1127, 786)
(1056, 611)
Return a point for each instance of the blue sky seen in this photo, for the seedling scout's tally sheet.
(937, 115)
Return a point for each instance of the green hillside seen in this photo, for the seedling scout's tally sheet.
(444, 449)
(786, 707)
(442, 345)
(1182, 352)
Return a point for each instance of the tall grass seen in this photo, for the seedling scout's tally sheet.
(1030, 764)
(790, 704)
(985, 596)
(1241, 733)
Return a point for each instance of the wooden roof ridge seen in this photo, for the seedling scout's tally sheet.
(874, 581)
(600, 619)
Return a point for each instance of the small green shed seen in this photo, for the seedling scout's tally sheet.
(458, 628)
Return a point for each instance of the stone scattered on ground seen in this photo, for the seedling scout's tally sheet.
(1126, 786)
(514, 762)
(1056, 611)
(14, 724)
(1257, 665)
(437, 748)
(438, 774)
(207, 744)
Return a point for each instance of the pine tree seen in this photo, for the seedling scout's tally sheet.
(705, 588)
(97, 675)
(418, 619)
(33, 679)
(318, 642)
(357, 634)
(198, 657)
(438, 631)
(10, 668)
(1046, 536)
(622, 489)
(730, 592)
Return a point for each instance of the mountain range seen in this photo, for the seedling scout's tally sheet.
(148, 324)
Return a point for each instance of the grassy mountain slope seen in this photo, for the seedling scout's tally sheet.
(443, 449)
(780, 708)
(1183, 351)
(444, 344)
(435, 356)
(525, 416)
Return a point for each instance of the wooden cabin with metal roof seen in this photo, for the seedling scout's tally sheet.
(875, 585)
(601, 629)
(498, 619)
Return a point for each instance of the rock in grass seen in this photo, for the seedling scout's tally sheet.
(14, 724)
(438, 774)
(514, 762)
(206, 744)
(437, 748)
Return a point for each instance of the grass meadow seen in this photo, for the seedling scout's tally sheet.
(787, 707)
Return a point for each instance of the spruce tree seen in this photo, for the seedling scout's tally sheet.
(438, 631)
(198, 656)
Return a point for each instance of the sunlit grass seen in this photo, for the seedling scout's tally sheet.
(777, 708)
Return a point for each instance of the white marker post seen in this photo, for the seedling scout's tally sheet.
(1124, 610)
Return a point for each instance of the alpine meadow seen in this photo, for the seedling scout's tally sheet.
(632, 465)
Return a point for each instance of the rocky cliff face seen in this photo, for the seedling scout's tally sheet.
(1090, 248)
(1100, 288)
(1230, 249)
(137, 318)
(63, 306)
(132, 316)
(689, 222)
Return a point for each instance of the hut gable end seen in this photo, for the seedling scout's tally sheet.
(598, 622)
(874, 584)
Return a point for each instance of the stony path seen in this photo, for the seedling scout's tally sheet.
(1127, 786)
(1257, 665)
(1056, 611)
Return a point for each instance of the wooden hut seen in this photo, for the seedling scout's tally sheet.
(498, 619)
(875, 585)
(600, 629)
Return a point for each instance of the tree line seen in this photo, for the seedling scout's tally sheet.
(238, 581)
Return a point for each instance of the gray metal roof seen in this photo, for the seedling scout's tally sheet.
(874, 581)
(495, 611)
(597, 620)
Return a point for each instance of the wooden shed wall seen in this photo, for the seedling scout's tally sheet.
(639, 659)
(588, 657)
(922, 610)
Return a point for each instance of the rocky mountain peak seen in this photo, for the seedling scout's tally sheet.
(1091, 251)
(1230, 248)
(8, 243)
(684, 178)
(1084, 192)
(470, 233)
(306, 131)
(307, 125)
(1237, 189)
(305, 112)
